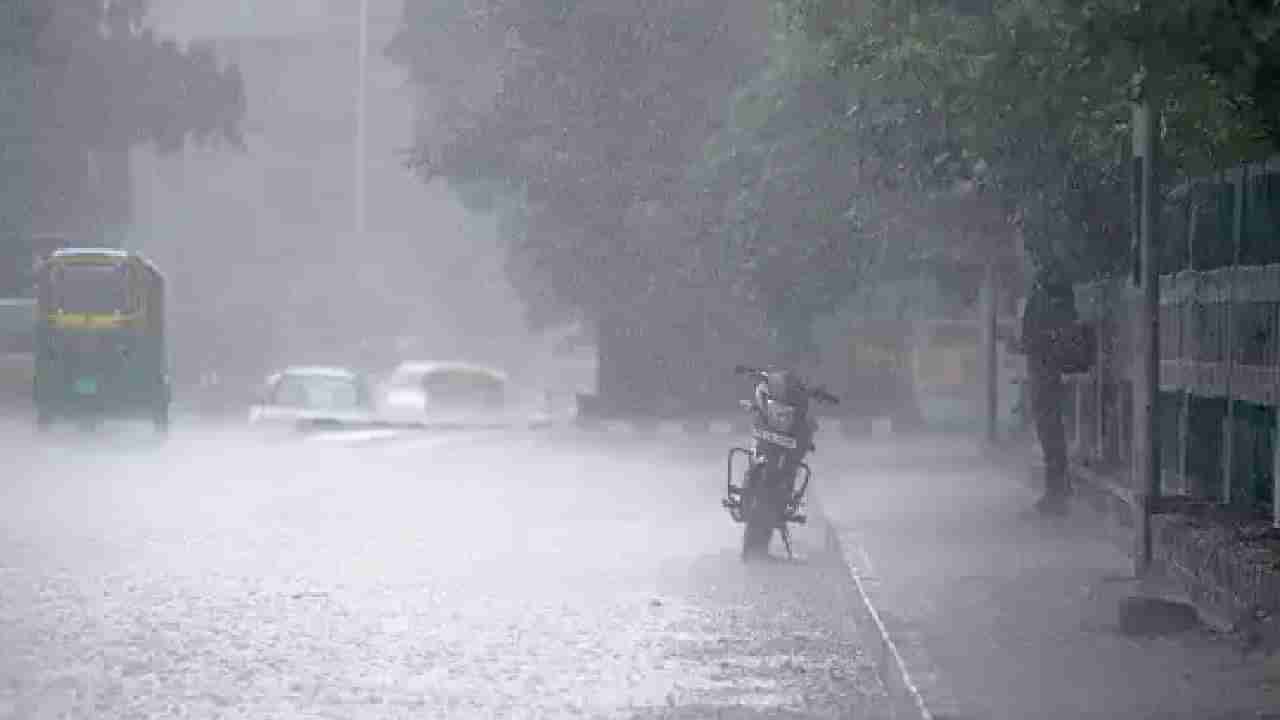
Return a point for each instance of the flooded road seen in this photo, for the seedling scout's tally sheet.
(501, 574)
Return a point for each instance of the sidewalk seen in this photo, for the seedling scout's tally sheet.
(1000, 614)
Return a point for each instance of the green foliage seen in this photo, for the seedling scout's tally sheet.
(122, 85)
(83, 76)
(595, 111)
(788, 225)
(636, 160)
(1029, 98)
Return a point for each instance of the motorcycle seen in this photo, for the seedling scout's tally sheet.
(782, 435)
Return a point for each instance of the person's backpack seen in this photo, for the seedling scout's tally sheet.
(1076, 348)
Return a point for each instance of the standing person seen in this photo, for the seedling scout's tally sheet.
(1049, 316)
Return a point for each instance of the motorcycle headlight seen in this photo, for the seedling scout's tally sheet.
(781, 417)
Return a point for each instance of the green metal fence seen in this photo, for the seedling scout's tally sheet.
(1219, 346)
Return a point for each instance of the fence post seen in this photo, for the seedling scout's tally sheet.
(1077, 411)
(990, 309)
(1275, 476)
(1146, 380)
(1184, 432)
(1238, 184)
(1100, 384)
(1228, 450)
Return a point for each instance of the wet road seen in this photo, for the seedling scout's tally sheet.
(461, 576)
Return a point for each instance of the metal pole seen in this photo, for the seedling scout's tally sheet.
(990, 311)
(1101, 326)
(361, 71)
(1238, 181)
(1275, 477)
(1077, 412)
(1146, 457)
(1188, 350)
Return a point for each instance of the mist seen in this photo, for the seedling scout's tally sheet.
(634, 359)
(262, 246)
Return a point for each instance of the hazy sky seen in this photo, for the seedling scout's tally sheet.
(271, 229)
(188, 18)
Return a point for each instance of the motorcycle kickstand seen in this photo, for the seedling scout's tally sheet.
(786, 540)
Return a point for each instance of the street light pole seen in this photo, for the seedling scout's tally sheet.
(362, 74)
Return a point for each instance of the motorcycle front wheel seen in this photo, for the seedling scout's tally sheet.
(758, 520)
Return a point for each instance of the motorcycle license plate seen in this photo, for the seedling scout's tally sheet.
(86, 386)
(785, 441)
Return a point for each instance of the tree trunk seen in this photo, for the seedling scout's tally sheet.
(609, 372)
(907, 411)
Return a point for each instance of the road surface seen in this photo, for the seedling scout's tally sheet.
(513, 574)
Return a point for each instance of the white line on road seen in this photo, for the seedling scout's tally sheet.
(866, 562)
(900, 664)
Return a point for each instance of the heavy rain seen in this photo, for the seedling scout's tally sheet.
(639, 359)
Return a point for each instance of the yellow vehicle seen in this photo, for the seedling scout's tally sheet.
(100, 338)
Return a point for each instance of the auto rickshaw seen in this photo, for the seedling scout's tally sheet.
(100, 338)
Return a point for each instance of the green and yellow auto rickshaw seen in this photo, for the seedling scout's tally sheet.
(100, 338)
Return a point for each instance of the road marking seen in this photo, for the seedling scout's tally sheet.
(866, 562)
(860, 583)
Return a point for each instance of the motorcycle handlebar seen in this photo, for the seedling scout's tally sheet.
(824, 396)
(818, 393)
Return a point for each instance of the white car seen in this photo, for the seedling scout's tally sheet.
(315, 396)
(445, 392)
(402, 393)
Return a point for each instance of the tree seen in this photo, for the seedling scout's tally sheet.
(970, 120)
(1029, 98)
(788, 215)
(597, 109)
(88, 81)
(593, 112)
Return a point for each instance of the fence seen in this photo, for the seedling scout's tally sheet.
(1219, 347)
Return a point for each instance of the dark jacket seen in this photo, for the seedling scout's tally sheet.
(1050, 314)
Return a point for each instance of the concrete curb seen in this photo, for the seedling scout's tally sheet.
(719, 426)
(352, 437)
(387, 432)
(904, 668)
(662, 427)
(612, 427)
